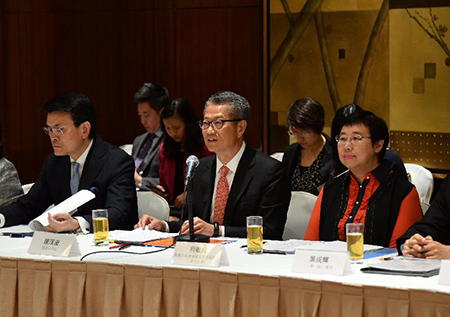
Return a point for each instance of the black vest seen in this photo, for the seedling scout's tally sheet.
(381, 214)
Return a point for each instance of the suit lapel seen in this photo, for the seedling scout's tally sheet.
(92, 166)
(240, 182)
(208, 176)
(151, 154)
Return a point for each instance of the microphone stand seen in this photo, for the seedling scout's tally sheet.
(191, 237)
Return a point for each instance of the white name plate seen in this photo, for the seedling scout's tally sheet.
(200, 254)
(321, 262)
(54, 244)
(444, 273)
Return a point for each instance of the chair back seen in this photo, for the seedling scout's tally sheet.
(152, 204)
(299, 212)
(278, 156)
(26, 188)
(127, 148)
(422, 179)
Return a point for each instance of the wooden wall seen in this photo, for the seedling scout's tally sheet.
(108, 48)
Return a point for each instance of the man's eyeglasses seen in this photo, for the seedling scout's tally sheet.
(342, 139)
(55, 130)
(216, 124)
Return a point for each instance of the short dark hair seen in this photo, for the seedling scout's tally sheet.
(336, 127)
(1, 143)
(78, 105)
(193, 139)
(377, 127)
(239, 106)
(157, 96)
(306, 114)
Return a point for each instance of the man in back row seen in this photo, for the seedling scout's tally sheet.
(81, 160)
(236, 182)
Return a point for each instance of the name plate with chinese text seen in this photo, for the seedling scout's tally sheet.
(444, 273)
(321, 262)
(54, 244)
(199, 254)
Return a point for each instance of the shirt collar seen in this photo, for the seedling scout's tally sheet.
(233, 163)
(380, 172)
(82, 158)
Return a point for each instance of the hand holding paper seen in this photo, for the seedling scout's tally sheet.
(68, 207)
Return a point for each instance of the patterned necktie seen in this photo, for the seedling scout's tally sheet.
(144, 151)
(75, 179)
(222, 192)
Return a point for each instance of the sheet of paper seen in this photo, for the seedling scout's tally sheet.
(69, 205)
(289, 246)
(139, 235)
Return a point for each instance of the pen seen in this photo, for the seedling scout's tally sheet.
(387, 258)
(21, 235)
(274, 252)
(119, 246)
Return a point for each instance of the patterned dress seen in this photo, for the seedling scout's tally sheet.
(308, 179)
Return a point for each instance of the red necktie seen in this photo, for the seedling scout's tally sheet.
(222, 192)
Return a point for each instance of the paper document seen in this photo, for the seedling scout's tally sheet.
(405, 266)
(139, 235)
(69, 205)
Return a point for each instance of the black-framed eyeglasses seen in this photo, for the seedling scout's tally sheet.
(342, 139)
(55, 130)
(216, 124)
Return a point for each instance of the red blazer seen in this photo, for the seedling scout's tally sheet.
(167, 170)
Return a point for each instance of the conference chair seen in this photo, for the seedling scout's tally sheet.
(422, 179)
(127, 148)
(26, 188)
(299, 212)
(152, 204)
(278, 156)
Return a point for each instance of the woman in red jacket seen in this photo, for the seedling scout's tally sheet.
(183, 138)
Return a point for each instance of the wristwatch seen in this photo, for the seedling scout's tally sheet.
(216, 229)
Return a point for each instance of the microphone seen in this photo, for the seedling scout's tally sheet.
(192, 163)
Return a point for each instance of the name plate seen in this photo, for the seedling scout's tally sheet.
(200, 254)
(444, 273)
(54, 244)
(321, 262)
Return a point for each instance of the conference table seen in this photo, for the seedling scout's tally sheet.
(119, 284)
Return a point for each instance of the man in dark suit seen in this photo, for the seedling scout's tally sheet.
(81, 160)
(151, 100)
(235, 183)
(430, 237)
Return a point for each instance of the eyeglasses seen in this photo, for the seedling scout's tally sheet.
(216, 124)
(55, 130)
(302, 133)
(342, 139)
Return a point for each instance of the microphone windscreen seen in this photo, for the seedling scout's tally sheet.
(193, 160)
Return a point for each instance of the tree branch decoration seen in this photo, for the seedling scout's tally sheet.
(428, 24)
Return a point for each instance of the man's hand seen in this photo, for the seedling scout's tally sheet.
(434, 250)
(200, 227)
(61, 222)
(178, 203)
(151, 223)
(413, 247)
(137, 179)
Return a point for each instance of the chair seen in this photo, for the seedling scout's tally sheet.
(127, 148)
(278, 156)
(424, 207)
(422, 179)
(299, 212)
(152, 204)
(26, 188)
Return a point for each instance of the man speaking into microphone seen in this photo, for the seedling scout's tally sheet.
(236, 182)
(80, 160)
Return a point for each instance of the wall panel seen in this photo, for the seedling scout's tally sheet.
(107, 49)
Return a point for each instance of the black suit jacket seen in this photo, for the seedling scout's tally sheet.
(259, 189)
(149, 169)
(107, 167)
(436, 222)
